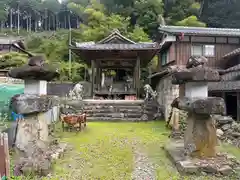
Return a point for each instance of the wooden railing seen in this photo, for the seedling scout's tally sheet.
(4, 156)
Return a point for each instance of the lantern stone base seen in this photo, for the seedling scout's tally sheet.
(33, 127)
(222, 164)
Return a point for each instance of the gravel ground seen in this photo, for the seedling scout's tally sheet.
(143, 168)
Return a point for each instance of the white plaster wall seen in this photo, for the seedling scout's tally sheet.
(196, 89)
(35, 87)
(167, 92)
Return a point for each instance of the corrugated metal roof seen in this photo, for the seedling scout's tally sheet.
(8, 40)
(233, 53)
(232, 75)
(224, 86)
(200, 31)
(138, 46)
(230, 81)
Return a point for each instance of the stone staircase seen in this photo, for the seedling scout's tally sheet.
(114, 110)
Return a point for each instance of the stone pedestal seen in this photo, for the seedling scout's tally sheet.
(200, 137)
(39, 112)
(31, 128)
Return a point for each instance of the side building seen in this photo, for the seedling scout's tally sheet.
(179, 44)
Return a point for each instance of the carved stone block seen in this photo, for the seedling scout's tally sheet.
(208, 105)
(28, 104)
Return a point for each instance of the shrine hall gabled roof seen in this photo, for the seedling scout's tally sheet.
(115, 41)
(95, 46)
(116, 35)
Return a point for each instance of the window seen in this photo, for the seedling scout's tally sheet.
(209, 50)
(164, 58)
(203, 50)
(197, 50)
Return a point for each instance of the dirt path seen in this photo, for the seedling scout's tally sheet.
(143, 167)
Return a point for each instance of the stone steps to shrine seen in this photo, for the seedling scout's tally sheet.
(107, 119)
(116, 115)
(113, 110)
(108, 110)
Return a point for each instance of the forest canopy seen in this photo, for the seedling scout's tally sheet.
(46, 23)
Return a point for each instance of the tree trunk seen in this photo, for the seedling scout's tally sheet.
(49, 22)
(56, 22)
(18, 21)
(30, 23)
(45, 20)
(65, 23)
(27, 23)
(35, 25)
(1, 24)
(11, 20)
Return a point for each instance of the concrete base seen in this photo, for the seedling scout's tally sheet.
(221, 164)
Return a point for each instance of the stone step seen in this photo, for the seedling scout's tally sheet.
(77, 103)
(138, 108)
(107, 119)
(115, 115)
(112, 110)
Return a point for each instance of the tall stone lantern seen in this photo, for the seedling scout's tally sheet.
(200, 137)
(35, 105)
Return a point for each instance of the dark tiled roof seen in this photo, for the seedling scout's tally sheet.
(200, 31)
(233, 53)
(224, 86)
(232, 75)
(138, 46)
(230, 81)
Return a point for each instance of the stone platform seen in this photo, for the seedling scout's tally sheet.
(116, 110)
(222, 164)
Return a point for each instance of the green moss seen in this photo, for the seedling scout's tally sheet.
(104, 151)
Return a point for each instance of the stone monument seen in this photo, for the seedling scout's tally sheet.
(38, 109)
(200, 139)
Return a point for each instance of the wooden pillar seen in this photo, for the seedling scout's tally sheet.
(149, 74)
(238, 106)
(93, 76)
(137, 76)
(224, 97)
(98, 77)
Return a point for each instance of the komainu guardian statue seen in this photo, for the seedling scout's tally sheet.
(77, 92)
(149, 93)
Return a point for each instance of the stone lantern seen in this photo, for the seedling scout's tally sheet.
(197, 152)
(200, 136)
(34, 104)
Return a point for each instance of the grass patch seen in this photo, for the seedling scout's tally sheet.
(103, 151)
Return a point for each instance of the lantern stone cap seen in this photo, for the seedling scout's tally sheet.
(195, 74)
(36, 69)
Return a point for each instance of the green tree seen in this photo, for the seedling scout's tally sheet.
(222, 14)
(12, 59)
(191, 21)
(147, 13)
(177, 10)
(3, 13)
